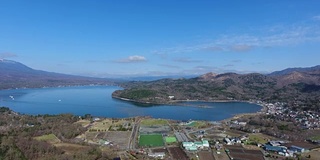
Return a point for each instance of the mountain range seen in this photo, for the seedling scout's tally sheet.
(17, 75)
(295, 86)
(290, 70)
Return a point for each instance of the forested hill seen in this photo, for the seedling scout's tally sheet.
(27, 137)
(17, 75)
(297, 88)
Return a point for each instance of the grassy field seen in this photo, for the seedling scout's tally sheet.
(151, 140)
(101, 125)
(71, 148)
(200, 124)
(315, 138)
(51, 138)
(234, 133)
(152, 122)
(83, 122)
(108, 124)
(171, 139)
(258, 138)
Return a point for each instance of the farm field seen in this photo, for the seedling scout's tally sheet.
(151, 140)
(120, 139)
(83, 122)
(200, 124)
(158, 129)
(101, 125)
(242, 153)
(205, 155)
(259, 138)
(177, 153)
(90, 135)
(152, 122)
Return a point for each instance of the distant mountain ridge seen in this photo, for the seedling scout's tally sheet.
(10, 67)
(298, 69)
(17, 75)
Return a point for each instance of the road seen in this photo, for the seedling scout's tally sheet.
(134, 133)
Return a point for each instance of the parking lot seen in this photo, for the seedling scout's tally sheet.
(181, 137)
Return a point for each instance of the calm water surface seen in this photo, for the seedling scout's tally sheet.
(97, 101)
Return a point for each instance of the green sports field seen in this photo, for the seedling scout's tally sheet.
(171, 139)
(151, 140)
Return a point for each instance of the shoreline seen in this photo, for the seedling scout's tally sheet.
(175, 102)
(237, 116)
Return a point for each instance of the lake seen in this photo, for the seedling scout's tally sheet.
(97, 101)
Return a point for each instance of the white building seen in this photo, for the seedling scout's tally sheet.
(193, 146)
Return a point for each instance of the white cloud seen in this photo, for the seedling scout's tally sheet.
(132, 59)
(272, 36)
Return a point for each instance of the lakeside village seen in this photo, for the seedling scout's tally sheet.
(148, 138)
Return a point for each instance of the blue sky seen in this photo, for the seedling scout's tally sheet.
(137, 38)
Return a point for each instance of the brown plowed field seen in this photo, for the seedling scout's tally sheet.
(177, 153)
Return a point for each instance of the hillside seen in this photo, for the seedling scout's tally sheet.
(297, 87)
(17, 75)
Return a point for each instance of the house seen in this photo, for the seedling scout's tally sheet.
(236, 140)
(276, 143)
(228, 141)
(242, 123)
(296, 149)
(96, 119)
(284, 154)
(274, 148)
